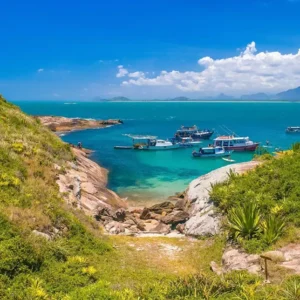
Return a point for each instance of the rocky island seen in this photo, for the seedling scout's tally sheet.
(63, 124)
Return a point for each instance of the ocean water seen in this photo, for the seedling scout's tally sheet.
(146, 176)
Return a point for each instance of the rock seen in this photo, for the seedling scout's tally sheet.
(162, 228)
(140, 226)
(42, 234)
(180, 228)
(175, 217)
(216, 268)
(119, 215)
(291, 253)
(180, 204)
(207, 224)
(146, 214)
(203, 220)
(159, 208)
(85, 183)
(115, 227)
(130, 222)
(156, 216)
(235, 259)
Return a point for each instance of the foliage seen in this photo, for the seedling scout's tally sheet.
(272, 229)
(244, 220)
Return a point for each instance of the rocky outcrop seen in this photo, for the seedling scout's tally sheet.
(204, 221)
(63, 124)
(83, 185)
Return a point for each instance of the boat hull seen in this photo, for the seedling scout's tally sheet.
(203, 136)
(159, 148)
(215, 155)
(251, 147)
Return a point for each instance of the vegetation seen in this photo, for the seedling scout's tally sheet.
(79, 262)
(264, 203)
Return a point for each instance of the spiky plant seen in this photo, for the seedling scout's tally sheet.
(244, 220)
(272, 229)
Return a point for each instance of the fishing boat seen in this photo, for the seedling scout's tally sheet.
(293, 129)
(211, 152)
(147, 142)
(194, 132)
(187, 142)
(232, 142)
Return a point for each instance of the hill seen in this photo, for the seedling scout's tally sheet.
(292, 94)
(258, 96)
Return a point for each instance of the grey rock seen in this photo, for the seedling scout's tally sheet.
(207, 224)
(175, 217)
(115, 227)
(42, 234)
(162, 207)
(180, 204)
(216, 268)
(146, 214)
(161, 228)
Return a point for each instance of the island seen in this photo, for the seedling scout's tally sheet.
(63, 124)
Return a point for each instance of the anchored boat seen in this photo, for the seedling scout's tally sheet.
(211, 152)
(148, 142)
(187, 142)
(194, 133)
(231, 142)
(293, 129)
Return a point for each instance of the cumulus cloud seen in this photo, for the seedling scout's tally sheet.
(122, 71)
(250, 71)
(40, 70)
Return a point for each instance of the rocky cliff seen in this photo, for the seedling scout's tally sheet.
(83, 182)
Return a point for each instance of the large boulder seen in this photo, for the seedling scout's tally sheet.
(146, 214)
(204, 220)
(161, 228)
(159, 208)
(175, 217)
(206, 224)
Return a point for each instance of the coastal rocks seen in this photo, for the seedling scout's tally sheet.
(175, 217)
(63, 124)
(160, 208)
(203, 218)
(83, 185)
(203, 224)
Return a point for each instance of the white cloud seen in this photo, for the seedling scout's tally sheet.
(56, 95)
(122, 71)
(251, 71)
(40, 70)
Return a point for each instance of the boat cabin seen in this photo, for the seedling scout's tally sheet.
(230, 141)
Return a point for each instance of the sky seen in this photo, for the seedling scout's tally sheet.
(79, 50)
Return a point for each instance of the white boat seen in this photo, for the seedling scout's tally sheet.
(236, 143)
(293, 129)
(148, 142)
(188, 142)
(212, 152)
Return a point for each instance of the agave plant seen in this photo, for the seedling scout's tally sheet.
(272, 229)
(244, 220)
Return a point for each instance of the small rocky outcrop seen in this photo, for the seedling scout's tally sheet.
(63, 124)
(204, 221)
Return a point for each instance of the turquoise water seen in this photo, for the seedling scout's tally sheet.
(142, 175)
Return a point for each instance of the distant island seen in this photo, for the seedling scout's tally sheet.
(289, 95)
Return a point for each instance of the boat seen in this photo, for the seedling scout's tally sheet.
(147, 142)
(187, 142)
(211, 152)
(123, 147)
(293, 129)
(232, 142)
(194, 132)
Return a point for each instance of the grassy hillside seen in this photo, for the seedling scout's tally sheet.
(74, 260)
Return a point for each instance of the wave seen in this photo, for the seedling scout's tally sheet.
(70, 103)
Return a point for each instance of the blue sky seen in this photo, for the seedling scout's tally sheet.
(73, 50)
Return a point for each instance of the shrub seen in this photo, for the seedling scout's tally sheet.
(244, 221)
(272, 229)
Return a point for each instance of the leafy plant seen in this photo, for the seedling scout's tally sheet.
(244, 220)
(273, 228)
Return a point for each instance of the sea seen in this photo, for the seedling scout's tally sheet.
(151, 176)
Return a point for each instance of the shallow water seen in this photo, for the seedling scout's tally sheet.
(153, 175)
